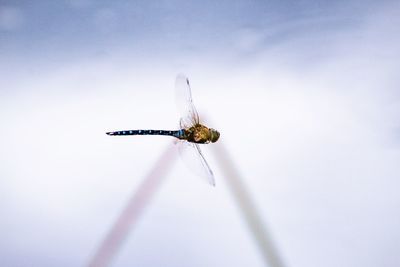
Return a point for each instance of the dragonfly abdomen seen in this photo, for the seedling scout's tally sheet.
(176, 134)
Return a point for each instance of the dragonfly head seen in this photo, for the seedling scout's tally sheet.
(214, 135)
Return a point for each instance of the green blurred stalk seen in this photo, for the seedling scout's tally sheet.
(246, 206)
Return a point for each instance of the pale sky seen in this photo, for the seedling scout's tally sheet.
(305, 95)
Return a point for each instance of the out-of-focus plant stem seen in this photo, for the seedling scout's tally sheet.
(246, 206)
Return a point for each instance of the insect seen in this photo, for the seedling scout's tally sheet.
(191, 132)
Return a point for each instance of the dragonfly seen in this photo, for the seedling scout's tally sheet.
(192, 132)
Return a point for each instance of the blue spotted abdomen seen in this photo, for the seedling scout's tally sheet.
(178, 134)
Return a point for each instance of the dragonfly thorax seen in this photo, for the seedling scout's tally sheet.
(200, 134)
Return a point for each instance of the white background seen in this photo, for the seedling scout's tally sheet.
(305, 97)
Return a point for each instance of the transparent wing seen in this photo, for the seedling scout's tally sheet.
(195, 161)
(210, 174)
(184, 101)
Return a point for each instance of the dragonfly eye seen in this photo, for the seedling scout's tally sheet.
(214, 135)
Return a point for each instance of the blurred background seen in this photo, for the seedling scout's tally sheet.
(304, 93)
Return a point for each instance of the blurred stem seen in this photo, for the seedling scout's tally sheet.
(130, 215)
(243, 200)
